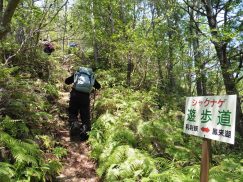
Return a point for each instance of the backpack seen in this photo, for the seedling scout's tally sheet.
(49, 48)
(84, 80)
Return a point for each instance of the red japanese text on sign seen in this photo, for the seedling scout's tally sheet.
(208, 102)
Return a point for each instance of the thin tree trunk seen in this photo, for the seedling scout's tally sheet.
(65, 28)
(197, 55)
(129, 69)
(170, 62)
(111, 20)
(171, 80)
(1, 10)
(95, 44)
(20, 33)
(129, 59)
(158, 60)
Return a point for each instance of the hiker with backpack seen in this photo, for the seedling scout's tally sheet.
(48, 47)
(79, 105)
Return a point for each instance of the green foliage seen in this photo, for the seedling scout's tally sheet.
(132, 125)
(229, 169)
(51, 90)
(25, 106)
(6, 172)
(133, 140)
(20, 97)
(112, 77)
(127, 163)
(60, 152)
(15, 128)
(158, 38)
(23, 154)
(51, 168)
(46, 141)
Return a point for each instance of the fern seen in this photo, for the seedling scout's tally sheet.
(46, 141)
(22, 152)
(25, 107)
(126, 162)
(122, 137)
(15, 128)
(132, 140)
(51, 90)
(229, 170)
(52, 167)
(6, 171)
(33, 174)
(60, 152)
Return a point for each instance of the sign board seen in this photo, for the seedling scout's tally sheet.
(211, 117)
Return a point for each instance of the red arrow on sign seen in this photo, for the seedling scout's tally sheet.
(205, 129)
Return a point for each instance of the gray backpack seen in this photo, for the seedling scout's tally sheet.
(84, 80)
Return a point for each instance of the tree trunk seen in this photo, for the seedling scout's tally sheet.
(221, 50)
(7, 16)
(111, 20)
(129, 69)
(197, 55)
(1, 10)
(95, 44)
(229, 83)
(161, 84)
(64, 29)
(170, 62)
(200, 75)
(170, 67)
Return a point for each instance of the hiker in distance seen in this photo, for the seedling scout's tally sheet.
(48, 47)
(79, 104)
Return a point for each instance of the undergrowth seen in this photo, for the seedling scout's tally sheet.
(135, 140)
(28, 151)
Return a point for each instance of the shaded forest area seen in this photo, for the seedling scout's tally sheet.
(148, 55)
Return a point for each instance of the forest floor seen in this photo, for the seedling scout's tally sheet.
(77, 165)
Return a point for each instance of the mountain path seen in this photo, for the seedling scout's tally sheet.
(77, 165)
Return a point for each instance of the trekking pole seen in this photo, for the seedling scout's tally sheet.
(93, 104)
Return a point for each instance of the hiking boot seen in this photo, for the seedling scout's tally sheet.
(74, 130)
(83, 133)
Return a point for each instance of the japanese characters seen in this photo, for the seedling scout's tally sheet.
(211, 117)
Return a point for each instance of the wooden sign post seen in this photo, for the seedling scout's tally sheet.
(213, 118)
(206, 159)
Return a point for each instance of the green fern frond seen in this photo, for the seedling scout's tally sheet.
(229, 170)
(13, 127)
(123, 136)
(23, 152)
(60, 152)
(52, 167)
(7, 171)
(34, 174)
(46, 141)
(169, 176)
(192, 172)
(126, 162)
(22, 158)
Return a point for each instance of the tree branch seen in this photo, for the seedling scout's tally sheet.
(239, 79)
(192, 18)
(7, 16)
(1, 10)
(239, 67)
(54, 16)
(195, 9)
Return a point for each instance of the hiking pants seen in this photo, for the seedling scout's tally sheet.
(79, 108)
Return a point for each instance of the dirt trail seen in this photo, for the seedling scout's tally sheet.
(77, 166)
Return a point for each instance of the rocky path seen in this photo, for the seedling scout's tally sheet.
(77, 166)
